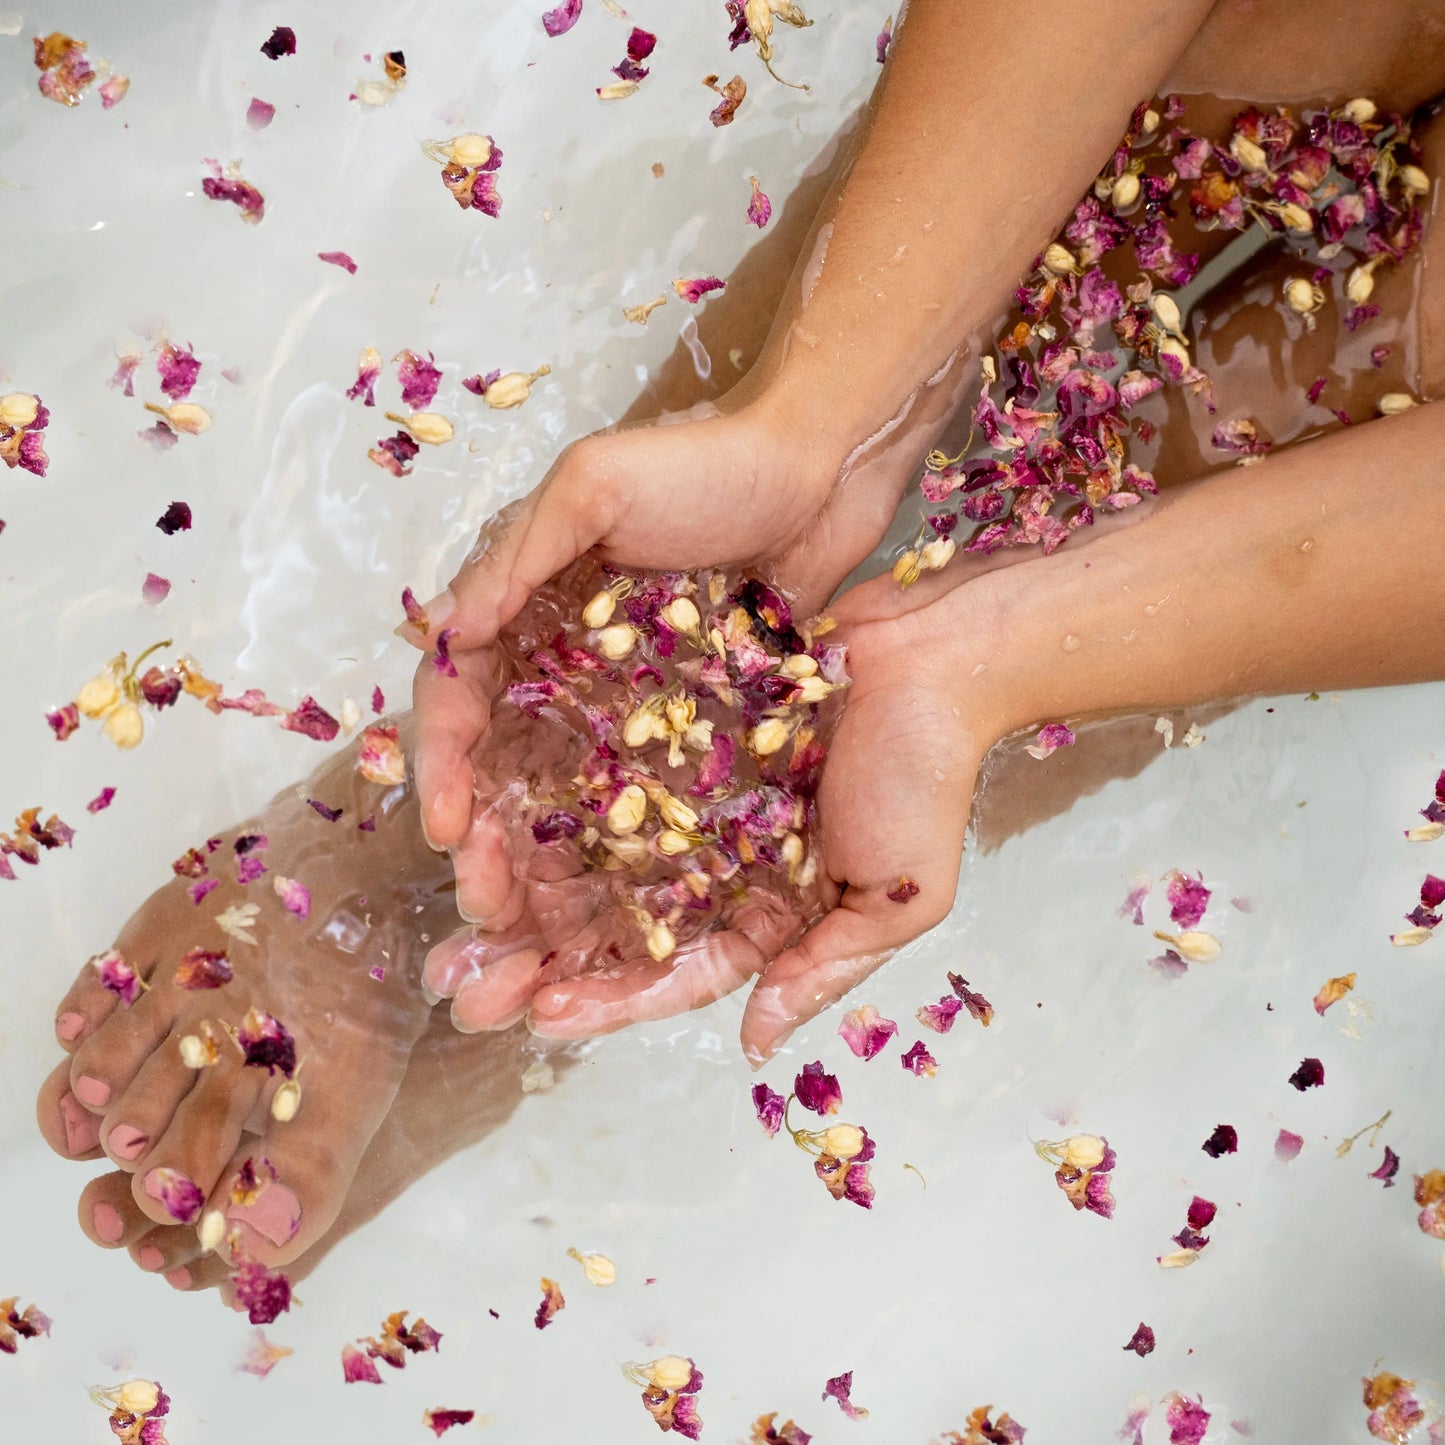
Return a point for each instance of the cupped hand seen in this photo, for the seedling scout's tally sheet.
(893, 808)
(717, 489)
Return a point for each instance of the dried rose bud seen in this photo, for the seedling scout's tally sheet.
(513, 388)
(768, 736)
(99, 695)
(681, 615)
(616, 641)
(1302, 296)
(18, 409)
(1125, 191)
(628, 810)
(125, 726)
(660, 941)
(1060, 260)
(598, 612)
(1166, 311)
(187, 416)
(1247, 153)
(286, 1101)
(1413, 180)
(597, 1268)
(1395, 402)
(1193, 946)
(429, 427)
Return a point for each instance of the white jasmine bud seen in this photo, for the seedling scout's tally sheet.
(642, 727)
(1150, 123)
(676, 813)
(1302, 296)
(768, 736)
(1060, 260)
(1360, 284)
(18, 409)
(428, 427)
(842, 1141)
(186, 416)
(98, 696)
(212, 1229)
(513, 388)
(125, 726)
(468, 150)
(798, 664)
(1174, 348)
(1193, 946)
(811, 689)
(1125, 191)
(681, 615)
(597, 1268)
(598, 612)
(937, 553)
(286, 1101)
(1395, 402)
(1414, 181)
(1166, 311)
(1248, 154)
(672, 843)
(195, 1052)
(1296, 218)
(1361, 110)
(135, 1397)
(660, 942)
(907, 569)
(616, 641)
(628, 810)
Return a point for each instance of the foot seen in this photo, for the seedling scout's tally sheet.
(344, 981)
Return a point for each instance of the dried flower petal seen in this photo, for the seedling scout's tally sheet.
(259, 114)
(440, 1421)
(178, 1195)
(266, 1043)
(769, 1106)
(732, 96)
(560, 20)
(694, 290)
(919, 1061)
(263, 1293)
(1188, 898)
(902, 891)
(866, 1031)
(1309, 1075)
(1187, 1419)
(1389, 1167)
(760, 208)
(940, 1016)
(840, 1388)
(282, 41)
(337, 258)
(118, 976)
(262, 1356)
(294, 896)
(976, 1004)
(1141, 1341)
(379, 759)
(175, 518)
(1052, 737)
(1287, 1146)
(817, 1091)
(552, 1302)
(1224, 1140)
(1394, 1410)
(202, 968)
(1332, 991)
(231, 186)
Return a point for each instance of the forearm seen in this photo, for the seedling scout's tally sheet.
(991, 121)
(1311, 570)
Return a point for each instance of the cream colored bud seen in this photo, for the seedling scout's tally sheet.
(1172, 346)
(672, 843)
(1360, 285)
(18, 409)
(907, 569)
(676, 813)
(1178, 1259)
(642, 727)
(1395, 402)
(768, 736)
(937, 553)
(1302, 296)
(669, 1373)
(212, 1229)
(597, 1268)
(628, 810)
(469, 150)
(195, 1052)
(1413, 179)
(681, 615)
(799, 664)
(1296, 218)
(1425, 833)
(680, 712)
(187, 416)
(1193, 946)
(98, 696)
(1249, 155)
(1361, 111)
(616, 641)
(811, 689)
(1059, 259)
(1125, 191)
(1083, 1151)
(629, 852)
(135, 1397)
(792, 850)
(842, 1141)
(513, 388)
(429, 427)
(125, 726)
(1411, 937)
(286, 1101)
(660, 942)
(598, 612)
(1166, 311)
(1150, 123)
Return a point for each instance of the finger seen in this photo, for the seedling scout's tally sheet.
(467, 954)
(499, 995)
(639, 990)
(488, 890)
(832, 958)
(452, 715)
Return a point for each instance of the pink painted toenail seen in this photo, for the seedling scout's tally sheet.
(92, 1091)
(276, 1214)
(150, 1258)
(82, 1128)
(180, 1278)
(68, 1027)
(127, 1143)
(108, 1223)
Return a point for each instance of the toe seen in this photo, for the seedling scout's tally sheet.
(166, 1249)
(117, 1052)
(108, 1215)
(140, 1115)
(85, 1007)
(194, 1145)
(65, 1123)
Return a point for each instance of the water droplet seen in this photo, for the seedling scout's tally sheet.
(1070, 642)
(1307, 545)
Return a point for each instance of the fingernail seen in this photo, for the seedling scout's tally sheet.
(275, 1214)
(108, 1223)
(432, 997)
(150, 1258)
(127, 1143)
(68, 1027)
(179, 1278)
(82, 1128)
(92, 1091)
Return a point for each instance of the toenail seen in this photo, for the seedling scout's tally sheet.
(127, 1143)
(179, 1278)
(108, 1223)
(150, 1258)
(82, 1128)
(92, 1091)
(68, 1027)
(275, 1214)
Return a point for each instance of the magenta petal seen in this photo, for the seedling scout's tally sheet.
(563, 18)
(259, 113)
(1287, 1146)
(770, 1106)
(154, 590)
(840, 1388)
(282, 41)
(338, 258)
(1141, 1341)
(818, 1091)
(866, 1031)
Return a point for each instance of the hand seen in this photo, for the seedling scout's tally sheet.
(727, 488)
(893, 806)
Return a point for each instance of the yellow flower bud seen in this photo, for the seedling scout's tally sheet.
(1150, 122)
(672, 843)
(135, 1397)
(1249, 155)
(1083, 1151)
(18, 409)
(676, 813)
(186, 416)
(937, 553)
(669, 1373)
(616, 641)
(1166, 311)
(468, 150)
(812, 689)
(98, 696)
(768, 736)
(1360, 285)
(842, 1141)
(513, 388)
(1125, 191)
(642, 727)
(598, 612)
(798, 664)
(1302, 296)
(598, 1269)
(286, 1101)
(1193, 946)
(1393, 403)
(1059, 259)
(1296, 218)
(429, 427)
(1172, 346)
(681, 615)
(1361, 111)
(196, 1053)
(906, 570)
(660, 942)
(1414, 180)
(125, 726)
(212, 1229)
(628, 810)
